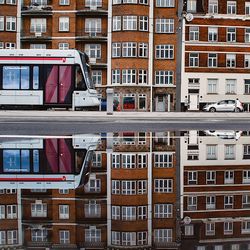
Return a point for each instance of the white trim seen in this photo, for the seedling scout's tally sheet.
(18, 25)
(151, 53)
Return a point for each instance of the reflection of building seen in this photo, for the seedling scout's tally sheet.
(216, 191)
(132, 45)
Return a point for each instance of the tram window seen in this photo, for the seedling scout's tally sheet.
(80, 156)
(35, 161)
(35, 77)
(80, 83)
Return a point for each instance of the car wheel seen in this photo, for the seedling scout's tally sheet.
(237, 110)
(212, 110)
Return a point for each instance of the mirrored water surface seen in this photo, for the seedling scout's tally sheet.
(137, 190)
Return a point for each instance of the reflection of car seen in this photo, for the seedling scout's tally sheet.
(224, 134)
(224, 105)
(104, 105)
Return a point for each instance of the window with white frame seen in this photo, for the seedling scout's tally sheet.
(64, 24)
(93, 3)
(39, 2)
(230, 60)
(2, 237)
(116, 50)
(193, 33)
(191, 5)
(212, 34)
(97, 160)
(163, 160)
(213, 6)
(142, 238)
(212, 60)
(164, 25)
(231, 34)
(247, 8)
(128, 187)
(2, 212)
(128, 160)
(129, 49)
(165, 3)
(128, 76)
(129, 1)
(211, 177)
(210, 228)
(63, 191)
(1, 23)
(38, 46)
(141, 187)
(164, 51)
(115, 187)
(117, 2)
(192, 177)
(11, 237)
(10, 45)
(129, 23)
(39, 235)
(246, 176)
(143, 2)
(142, 104)
(93, 186)
(93, 50)
(228, 227)
(142, 160)
(10, 1)
(64, 2)
(97, 77)
(246, 147)
(247, 35)
(10, 23)
(245, 227)
(189, 230)
(116, 76)
(218, 247)
(128, 238)
(143, 50)
(163, 185)
(64, 236)
(39, 209)
(163, 235)
(229, 177)
(191, 203)
(163, 210)
(210, 202)
(128, 213)
(142, 212)
(117, 23)
(38, 25)
(115, 238)
(11, 211)
(143, 23)
(193, 59)
(246, 201)
(212, 86)
(230, 89)
(116, 163)
(63, 211)
(115, 212)
(142, 76)
(211, 152)
(230, 151)
(63, 46)
(231, 7)
(1, 1)
(93, 26)
(92, 234)
(163, 77)
(228, 201)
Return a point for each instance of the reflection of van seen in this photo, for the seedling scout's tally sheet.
(129, 103)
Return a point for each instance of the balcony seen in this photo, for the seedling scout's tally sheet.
(37, 10)
(93, 10)
(35, 37)
(94, 35)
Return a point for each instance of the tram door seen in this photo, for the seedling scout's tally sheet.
(58, 84)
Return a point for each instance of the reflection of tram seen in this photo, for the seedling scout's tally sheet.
(46, 163)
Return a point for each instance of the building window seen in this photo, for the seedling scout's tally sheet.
(128, 238)
(189, 230)
(11, 237)
(231, 7)
(142, 212)
(38, 46)
(191, 203)
(247, 90)
(128, 187)
(142, 76)
(128, 160)
(115, 187)
(246, 176)
(142, 238)
(1, 23)
(247, 8)
(63, 191)
(247, 35)
(142, 102)
(247, 61)
(228, 201)
(117, 2)
(116, 50)
(163, 160)
(128, 76)
(92, 234)
(116, 76)
(230, 152)
(213, 6)
(64, 237)
(231, 34)
(163, 210)
(130, 23)
(211, 177)
(93, 186)
(231, 60)
(193, 60)
(211, 152)
(64, 24)
(210, 228)
(192, 177)
(11, 211)
(163, 185)
(212, 34)
(163, 77)
(10, 23)
(143, 50)
(39, 235)
(38, 210)
(93, 3)
(212, 86)
(2, 212)
(212, 60)
(210, 202)
(229, 177)
(129, 213)
(93, 50)
(64, 2)
(115, 212)
(142, 160)
(164, 26)
(193, 33)
(163, 235)
(93, 26)
(38, 25)
(165, 3)
(129, 49)
(228, 227)
(63, 211)
(245, 227)
(97, 77)
(245, 201)
(10, 45)
(141, 187)
(129, 102)
(115, 238)
(143, 23)
(116, 23)
(63, 46)
(129, 1)
(230, 86)
(164, 51)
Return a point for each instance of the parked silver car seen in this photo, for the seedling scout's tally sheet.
(224, 106)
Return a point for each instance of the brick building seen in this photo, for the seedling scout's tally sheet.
(132, 45)
(216, 52)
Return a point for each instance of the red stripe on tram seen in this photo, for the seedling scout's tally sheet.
(33, 58)
(63, 178)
